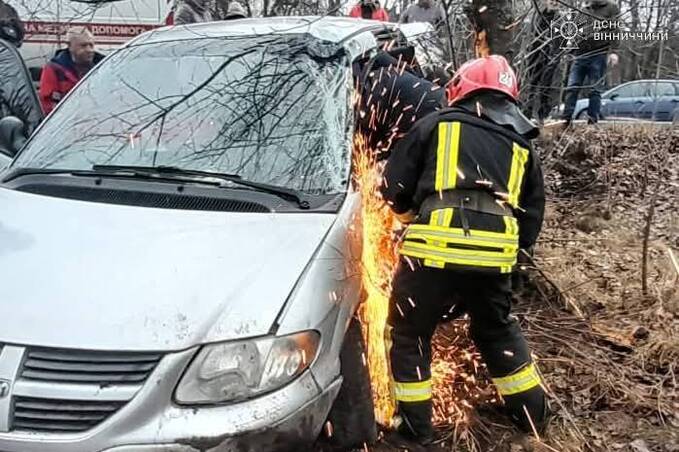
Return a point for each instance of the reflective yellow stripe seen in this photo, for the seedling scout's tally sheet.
(510, 237)
(525, 379)
(452, 236)
(447, 217)
(500, 247)
(441, 149)
(446, 155)
(500, 257)
(511, 229)
(441, 218)
(412, 392)
(511, 226)
(502, 260)
(519, 160)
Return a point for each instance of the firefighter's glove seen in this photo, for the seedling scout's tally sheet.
(520, 279)
(524, 259)
(406, 217)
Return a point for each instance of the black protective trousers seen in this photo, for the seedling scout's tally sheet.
(419, 300)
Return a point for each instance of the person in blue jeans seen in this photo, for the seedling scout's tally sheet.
(591, 59)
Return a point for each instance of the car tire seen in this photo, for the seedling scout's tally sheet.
(352, 417)
(581, 115)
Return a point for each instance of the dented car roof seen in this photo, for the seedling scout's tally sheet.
(333, 29)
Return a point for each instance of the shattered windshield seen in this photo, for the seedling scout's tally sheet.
(272, 109)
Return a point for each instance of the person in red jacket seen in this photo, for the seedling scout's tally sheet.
(369, 9)
(68, 66)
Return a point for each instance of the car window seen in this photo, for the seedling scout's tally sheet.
(272, 109)
(637, 89)
(427, 43)
(661, 89)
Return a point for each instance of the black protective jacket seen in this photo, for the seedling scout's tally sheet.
(11, 27)
(471, 180)
(602, 11)
(17, 94)
(393, 96)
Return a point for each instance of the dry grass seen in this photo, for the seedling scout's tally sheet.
(608, 353)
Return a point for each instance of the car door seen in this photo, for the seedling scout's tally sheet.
(664, 101)
(627, 100)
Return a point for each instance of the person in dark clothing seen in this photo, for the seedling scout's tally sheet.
(544, 53)
(18, 97)
(469, 187)
(235, 11)
(424, 11)
(393, 95)
(11, 27)
(591, 58)
(196, 11)
(67, 67)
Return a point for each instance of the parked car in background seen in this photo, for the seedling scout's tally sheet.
(651, 100)
(113, 23)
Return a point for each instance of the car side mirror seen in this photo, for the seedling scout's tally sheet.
(12, 136)
(614, 96)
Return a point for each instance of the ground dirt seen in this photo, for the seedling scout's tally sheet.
(608, 351)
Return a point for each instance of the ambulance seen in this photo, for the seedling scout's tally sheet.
(113, 23)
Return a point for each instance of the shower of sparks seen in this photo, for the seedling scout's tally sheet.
(378, 261)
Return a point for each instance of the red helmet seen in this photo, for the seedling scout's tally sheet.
(492, 73)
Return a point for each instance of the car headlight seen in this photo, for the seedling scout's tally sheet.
(235, 371)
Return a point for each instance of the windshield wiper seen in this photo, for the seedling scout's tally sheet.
(169, 171)
(18, 172)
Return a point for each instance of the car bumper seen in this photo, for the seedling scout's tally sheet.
(150, 422)
(295, 433)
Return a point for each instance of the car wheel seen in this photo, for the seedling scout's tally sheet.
(352, 417)
(581, 115)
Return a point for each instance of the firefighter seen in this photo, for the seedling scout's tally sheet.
(394, 95)
(468, 188)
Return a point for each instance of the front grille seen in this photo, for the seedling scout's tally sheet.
(39, 405)
(49, 415)
(102, 368)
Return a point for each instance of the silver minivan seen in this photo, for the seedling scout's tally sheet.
(179, 258)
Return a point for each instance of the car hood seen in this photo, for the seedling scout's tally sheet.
(83, 275)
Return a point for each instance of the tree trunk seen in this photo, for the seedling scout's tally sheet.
(493, 22)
